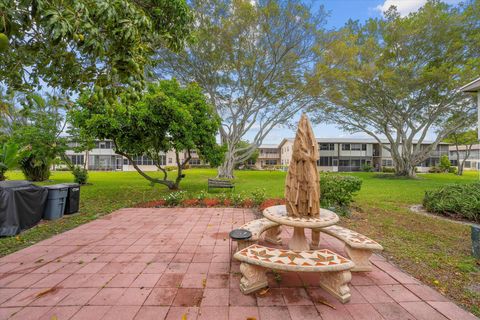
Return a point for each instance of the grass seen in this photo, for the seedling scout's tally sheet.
(433, 250)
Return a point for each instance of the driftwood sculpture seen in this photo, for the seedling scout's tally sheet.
(302, 186)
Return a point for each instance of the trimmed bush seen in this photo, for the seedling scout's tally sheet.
(80, 175)
(458, 200)
(337, 190)
(388, 169)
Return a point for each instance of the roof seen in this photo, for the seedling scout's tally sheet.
(353, 140)
(473, 86)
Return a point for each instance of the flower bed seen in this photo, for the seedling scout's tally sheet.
(212, 202)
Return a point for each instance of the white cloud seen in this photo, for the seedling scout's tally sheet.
(404, 7)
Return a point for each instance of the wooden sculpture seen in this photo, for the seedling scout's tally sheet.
(302, 186)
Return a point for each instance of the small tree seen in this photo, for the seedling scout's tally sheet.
(445, 163)
(463, 142)
(8, 158)
(168, 117)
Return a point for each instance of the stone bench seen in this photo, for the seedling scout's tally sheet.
(226, 184)
(257, 228)
(256, 259)
(358, 247)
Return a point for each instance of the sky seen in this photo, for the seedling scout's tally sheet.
(340, 11)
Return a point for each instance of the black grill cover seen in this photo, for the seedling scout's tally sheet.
(21, 206)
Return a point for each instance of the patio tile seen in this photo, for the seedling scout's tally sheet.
(399, 293)
(91, 313)
(121, 313)
(188, 297)
(50, 281)
(133, 296)
(374, 294)
(161, 296)
(392, 311)
(242, 313)
(123, 280)
(30, 313)
(151, 313)
(422, 311)
(296, 297)
(426, 293)
(21, 299)
(60, 313)
(274, 313)
(215, 280)
(209, 313)
(274, 297)
(25, 280)
(363, 312)
(5, 313)
(51, 298)
(107, 297)
(170, 280)
(79, 296)
(237, 298)
(215, 297)
(194, 280)
(303, 312)
(146, 280)
(451, 310)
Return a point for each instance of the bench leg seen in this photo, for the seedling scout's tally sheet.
(272, 235)
(360, 257)
(254, 278)
(315, 239)
(336, 283)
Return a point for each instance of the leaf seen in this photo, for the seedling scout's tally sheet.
(184, 316)
(45, 292)
(263, 292)
(326, 303)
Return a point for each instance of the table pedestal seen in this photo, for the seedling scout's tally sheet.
(298, 242)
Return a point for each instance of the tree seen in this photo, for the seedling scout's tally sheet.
(253, 157)
(398, 78)
(445, 163)
(463, 142)
(8, 158)
(38, 133)
(83, 44)
(254, 61)
(168, 117)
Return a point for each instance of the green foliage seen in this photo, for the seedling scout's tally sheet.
(388, 169)
(445, 163)
(338, 190)
(168, 117)
(170, 168)
(37, 132)
(435, 169)
(8, 158)
(367, 167)
(80, 175)
(77, 44)
(399, 76)
(174, 198)
(258, 195)
(453, 169)
(460, 200)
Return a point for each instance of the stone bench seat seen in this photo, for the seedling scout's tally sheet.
(257, 228)
(256, 259)
(358, 247)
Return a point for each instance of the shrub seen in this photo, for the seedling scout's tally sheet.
(453, 169)
(445, 163)
(35, 169)
(435, 169)
(237, 198)
(338, 190)
(460, 200)
(388, 169)
(170, 168)
(202, 195)
(258, 195)
(80, 175)
(174, 198)
(367, 168)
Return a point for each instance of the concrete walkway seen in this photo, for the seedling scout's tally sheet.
(176, 264)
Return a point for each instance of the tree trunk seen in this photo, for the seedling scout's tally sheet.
(226, 168)
(404, 168)
(459, 164)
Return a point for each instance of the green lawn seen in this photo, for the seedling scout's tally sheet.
(435, 251)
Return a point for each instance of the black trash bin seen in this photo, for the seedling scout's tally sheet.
(56, 200)
(73, 198)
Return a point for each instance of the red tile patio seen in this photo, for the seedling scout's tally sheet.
(175, 264)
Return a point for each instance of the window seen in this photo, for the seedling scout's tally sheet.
(77, 159)
(468, 164)
(169, 160)
(143, 160)
(327, 146)
(250, 162)
(325, 162)
(345, 146)
(195, 162)
(125, 162)
(270, 162)
(387, 163)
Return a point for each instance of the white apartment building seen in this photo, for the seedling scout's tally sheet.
(103, 158)
(346, 154)
(473, 161)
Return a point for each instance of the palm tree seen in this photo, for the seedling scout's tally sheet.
(8, 158)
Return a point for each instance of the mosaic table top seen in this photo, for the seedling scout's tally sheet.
(301, 261)
(279, 214)
(352, 238)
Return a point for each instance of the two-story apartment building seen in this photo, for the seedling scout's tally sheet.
(347, 154)
(472, 162)
(103, 157)
(268, 155)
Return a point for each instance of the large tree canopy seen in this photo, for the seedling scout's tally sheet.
(398, 78)
(168, 117)
(253, 59)
(73, 44)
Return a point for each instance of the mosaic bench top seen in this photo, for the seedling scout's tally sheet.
(287, 260)
(352, 238)
(258, 226)
(279, 214)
